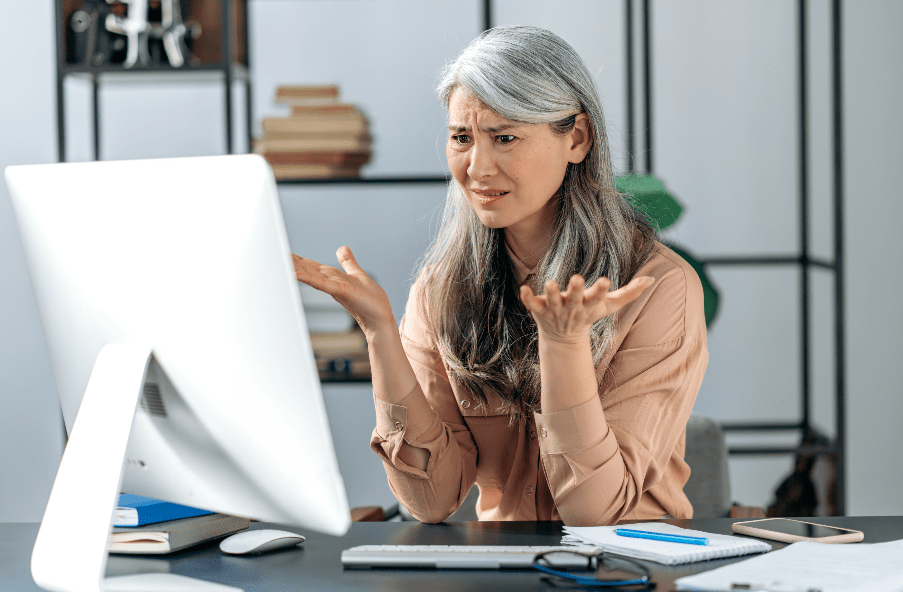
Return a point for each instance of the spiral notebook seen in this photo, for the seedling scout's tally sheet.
(720, 545)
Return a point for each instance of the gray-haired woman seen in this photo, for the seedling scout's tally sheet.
(560, 405)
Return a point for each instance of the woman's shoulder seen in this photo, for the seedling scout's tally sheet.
(672, 307)
(415, 324)
(665, 264)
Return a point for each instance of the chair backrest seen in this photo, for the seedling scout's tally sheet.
(709, 488)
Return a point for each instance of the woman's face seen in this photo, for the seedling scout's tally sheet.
(509, 171)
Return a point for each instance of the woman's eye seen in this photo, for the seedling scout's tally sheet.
(505, 139)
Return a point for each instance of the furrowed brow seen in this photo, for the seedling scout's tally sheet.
(500, 128)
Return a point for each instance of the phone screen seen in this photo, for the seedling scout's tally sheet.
(798, 528)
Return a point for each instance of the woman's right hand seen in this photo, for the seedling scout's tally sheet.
(352, 288)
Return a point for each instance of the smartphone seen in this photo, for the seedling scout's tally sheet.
(787, 530)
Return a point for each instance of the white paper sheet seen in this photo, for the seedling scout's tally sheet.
(806, 566)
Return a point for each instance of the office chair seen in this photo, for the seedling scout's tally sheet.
(709, 488)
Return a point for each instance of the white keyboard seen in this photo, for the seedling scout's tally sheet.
(457, 556)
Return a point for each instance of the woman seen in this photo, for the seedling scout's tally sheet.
(560, 405)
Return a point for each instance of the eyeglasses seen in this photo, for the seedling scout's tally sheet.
(611, 572)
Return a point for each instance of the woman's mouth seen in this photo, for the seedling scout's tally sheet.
(486, 196)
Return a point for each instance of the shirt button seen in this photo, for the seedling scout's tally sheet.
(544, 433)
(530, 489)
(465, 403)
(532, 435)
(399, 425)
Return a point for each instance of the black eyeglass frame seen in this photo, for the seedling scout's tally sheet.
(593, 562)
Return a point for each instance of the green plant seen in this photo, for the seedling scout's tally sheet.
(651, 198)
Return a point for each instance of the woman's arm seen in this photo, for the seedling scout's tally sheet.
(563, 321)
(409, 434)
(604, 447)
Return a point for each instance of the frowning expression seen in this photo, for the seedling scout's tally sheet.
(509, 171)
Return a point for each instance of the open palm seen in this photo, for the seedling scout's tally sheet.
(567, 316)
(352, 288)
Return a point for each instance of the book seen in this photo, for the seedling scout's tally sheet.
(335, 144)
(720, 545)
(809, 566)
(341, 123)
(330, 109)
(307, 94)
(137, 510)
(174, 535)
(334, 158)
(314, 171)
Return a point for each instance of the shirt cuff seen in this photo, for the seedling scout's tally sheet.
(571, 429)
(408, 419)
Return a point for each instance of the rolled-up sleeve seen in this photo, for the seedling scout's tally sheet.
(601, 457)
(427, 418)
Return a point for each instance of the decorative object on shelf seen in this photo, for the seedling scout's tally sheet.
(651, 198)
(88, 41)
(321, 138)
(140, 33)
(341, 355)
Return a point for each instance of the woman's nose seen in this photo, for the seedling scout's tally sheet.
(482, 162)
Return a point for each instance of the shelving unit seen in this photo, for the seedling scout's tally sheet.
(226, 72)
(803, 260)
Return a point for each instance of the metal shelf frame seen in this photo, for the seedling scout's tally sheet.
(803, 259)
(225, 72)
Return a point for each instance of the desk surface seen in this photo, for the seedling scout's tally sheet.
(316, 564)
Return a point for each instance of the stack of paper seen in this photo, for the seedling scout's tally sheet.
(809, 566)
(720, 545)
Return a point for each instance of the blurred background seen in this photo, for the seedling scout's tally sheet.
(723, 135)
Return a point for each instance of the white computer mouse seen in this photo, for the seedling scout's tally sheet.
(259, 541)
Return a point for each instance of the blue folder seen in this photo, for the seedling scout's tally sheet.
(150, 511)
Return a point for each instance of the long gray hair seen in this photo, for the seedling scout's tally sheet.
(468, 284)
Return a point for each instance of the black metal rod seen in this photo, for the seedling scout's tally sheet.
(805, 358)
(487, 15)
(249, 110)
(777, 450)
(752, 260)
(367, 181)
(760, 426)
(60, 83)
(839, 321)
(95, 101)
(227, 69)
(647, 82)
(628, 51)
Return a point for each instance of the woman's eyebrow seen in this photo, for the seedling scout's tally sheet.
(490, 130)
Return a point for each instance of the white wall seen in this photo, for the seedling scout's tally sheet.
(725, 143)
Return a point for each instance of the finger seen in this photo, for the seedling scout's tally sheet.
(553, 295)
(531, 302)
(575, 293)
(599, 289)
(304, 267)
(347, 261)
(617, 299)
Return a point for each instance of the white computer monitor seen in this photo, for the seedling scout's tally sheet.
(169, 284)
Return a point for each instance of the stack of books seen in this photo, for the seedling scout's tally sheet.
(321, 138)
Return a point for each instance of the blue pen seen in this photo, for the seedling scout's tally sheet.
(660, 536)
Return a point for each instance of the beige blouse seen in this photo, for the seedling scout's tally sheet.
(613, 458)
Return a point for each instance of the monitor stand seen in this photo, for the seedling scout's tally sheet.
(70, 553)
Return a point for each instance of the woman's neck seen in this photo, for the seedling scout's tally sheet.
(528, 249)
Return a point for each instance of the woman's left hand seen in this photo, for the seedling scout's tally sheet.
(566, 317)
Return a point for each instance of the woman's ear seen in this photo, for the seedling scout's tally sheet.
(581, 138)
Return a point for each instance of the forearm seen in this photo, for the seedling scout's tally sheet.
(567, 374)
(393, 377)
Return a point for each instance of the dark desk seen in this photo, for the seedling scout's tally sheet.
(316, 564)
